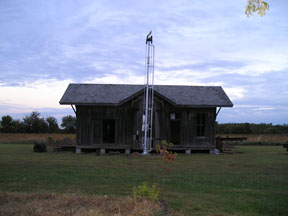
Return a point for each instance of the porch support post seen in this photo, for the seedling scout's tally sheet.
(78, 150)
(217, 112)
(74, 109)
(102, 151)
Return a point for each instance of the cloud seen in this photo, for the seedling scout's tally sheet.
(46, 44)
(43, 93)
(235, 93)
(264, 108)
(254, 114)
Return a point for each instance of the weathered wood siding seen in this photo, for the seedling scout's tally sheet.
(90, 125)
(128, 125)
(187, 118)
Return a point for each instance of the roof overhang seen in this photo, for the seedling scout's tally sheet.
(178, 96)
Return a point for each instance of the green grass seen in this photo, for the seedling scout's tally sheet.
(252, 183)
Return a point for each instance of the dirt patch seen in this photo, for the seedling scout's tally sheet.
(48, 204)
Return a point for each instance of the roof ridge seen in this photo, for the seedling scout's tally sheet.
(121, 84)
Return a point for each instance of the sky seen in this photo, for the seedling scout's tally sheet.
(45, 45)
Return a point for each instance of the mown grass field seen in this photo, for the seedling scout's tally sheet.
(250, 182)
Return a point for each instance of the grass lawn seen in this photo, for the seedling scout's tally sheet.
(254, 182)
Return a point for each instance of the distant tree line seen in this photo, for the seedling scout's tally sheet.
(34, 123)
(248, 128)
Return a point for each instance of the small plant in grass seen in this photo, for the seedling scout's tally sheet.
(167, 157)
(164, 154)
(153, 193)
(146, 191)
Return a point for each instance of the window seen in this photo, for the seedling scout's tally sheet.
(174, 116)
(200, 124)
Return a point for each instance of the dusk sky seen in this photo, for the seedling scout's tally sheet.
(47, 44)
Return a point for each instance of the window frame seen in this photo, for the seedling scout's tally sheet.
(200, 124)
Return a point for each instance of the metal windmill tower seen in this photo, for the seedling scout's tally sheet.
(148, 95)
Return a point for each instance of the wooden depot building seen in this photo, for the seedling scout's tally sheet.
(109, 116)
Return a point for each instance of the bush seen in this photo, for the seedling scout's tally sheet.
(144, 191)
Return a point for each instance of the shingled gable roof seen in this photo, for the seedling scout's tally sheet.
(116, 94)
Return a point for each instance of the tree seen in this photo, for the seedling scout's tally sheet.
(250, 128)
(17, 126)
(52, 124)
(256, 6)
(69, 124)
(7, 124)
(34, 124)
